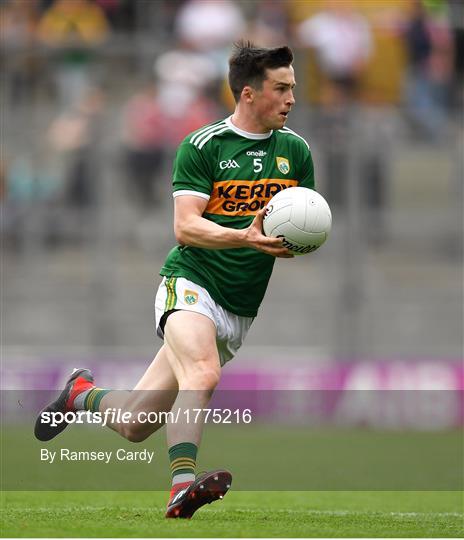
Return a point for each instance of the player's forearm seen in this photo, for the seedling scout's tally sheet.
(199, 232)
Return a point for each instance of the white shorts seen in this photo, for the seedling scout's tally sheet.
(180, 293)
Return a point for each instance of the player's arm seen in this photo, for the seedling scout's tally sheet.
(191, 229)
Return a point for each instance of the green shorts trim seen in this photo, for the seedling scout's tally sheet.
(171, 297)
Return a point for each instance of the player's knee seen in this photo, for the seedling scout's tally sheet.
(203, 377)
(210, 378)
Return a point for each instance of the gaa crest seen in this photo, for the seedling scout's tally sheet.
(283, 165)
(190, 297)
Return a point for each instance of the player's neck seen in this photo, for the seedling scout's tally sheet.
(246, 122)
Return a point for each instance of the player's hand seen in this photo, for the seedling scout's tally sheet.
(256, 239)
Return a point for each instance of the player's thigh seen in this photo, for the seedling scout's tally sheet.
(191, 341)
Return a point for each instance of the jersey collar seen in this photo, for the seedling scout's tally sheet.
(247, 134)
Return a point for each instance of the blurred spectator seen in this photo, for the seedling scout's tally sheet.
(30, 189)
(74, 29)
(143, 139)
(210, 26)
(342, 39)
(185, 68)
(353, 64)
(429, 47)
(26, 182)
(456, 21)
(270, 25)
(205, 30)
(74, 134)
(121, 14)
(182, 116)
(18, 21)
(154, 123)
(185, 77)
(111, 9)
(2, 180)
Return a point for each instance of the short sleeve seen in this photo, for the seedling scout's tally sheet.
(306, 178)
(190, 172)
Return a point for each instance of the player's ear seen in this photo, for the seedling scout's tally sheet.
(248, 94)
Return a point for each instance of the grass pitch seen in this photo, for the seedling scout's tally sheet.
(347, 462)
(240, 514)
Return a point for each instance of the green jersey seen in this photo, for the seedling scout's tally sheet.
(237, 173)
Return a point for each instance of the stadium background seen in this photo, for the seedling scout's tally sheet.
(91, 113)
(96, 96)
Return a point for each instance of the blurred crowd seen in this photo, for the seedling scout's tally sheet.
(169, 58)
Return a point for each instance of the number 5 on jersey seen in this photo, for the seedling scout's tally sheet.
(257, 165)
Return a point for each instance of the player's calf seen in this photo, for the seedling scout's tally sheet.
(137, 431)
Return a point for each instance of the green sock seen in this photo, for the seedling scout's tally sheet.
(93, 398)
(183, 458)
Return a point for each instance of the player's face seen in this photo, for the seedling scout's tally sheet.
(274, 100)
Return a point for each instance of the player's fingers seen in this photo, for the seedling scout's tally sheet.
(277, 251)
(258, 221)
(272, 241)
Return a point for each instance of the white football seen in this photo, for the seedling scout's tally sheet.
(300, 216)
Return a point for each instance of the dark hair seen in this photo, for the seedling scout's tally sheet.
(248, 64)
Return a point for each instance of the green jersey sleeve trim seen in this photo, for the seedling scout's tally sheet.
(289, 131)
(205, 138)
(205, 130)
(190, 192)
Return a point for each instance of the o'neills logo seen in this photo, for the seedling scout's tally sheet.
(295, 247)
(242, 198)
